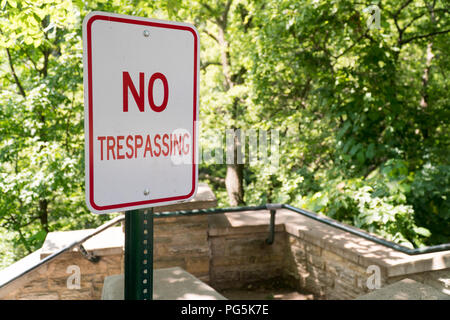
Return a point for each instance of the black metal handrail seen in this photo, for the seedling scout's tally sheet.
(68, 247)
(272, 208)
(368, 236)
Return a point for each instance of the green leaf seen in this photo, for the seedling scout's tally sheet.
(354, 149)
(360, 156)
(422, 231)
(370, 152)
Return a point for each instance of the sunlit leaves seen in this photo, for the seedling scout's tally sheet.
(356, 144)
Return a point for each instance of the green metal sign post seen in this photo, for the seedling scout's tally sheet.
(139, 254)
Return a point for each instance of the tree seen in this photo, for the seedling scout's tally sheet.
(41, 120)
(361, 112)
(222, 24)
(41, 127)
(366, 97)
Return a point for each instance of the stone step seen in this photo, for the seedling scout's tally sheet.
(168, 284)
(406, 289)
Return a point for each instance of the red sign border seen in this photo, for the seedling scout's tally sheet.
(91, 20)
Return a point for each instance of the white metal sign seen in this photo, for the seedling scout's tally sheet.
(141, 82)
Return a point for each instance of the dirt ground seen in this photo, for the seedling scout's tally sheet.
(267, 290)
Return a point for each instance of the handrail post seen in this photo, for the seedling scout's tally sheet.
(273, 210)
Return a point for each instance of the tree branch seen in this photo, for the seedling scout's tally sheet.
(404, 5)
(208, 63)
(211, 35)
(13, 71)
(208, 7)
(31, 59)
(350, 47)
(413, 19)
(22, 238)
(224, 18)
(395, 16)
(424, 36)
(214, 179)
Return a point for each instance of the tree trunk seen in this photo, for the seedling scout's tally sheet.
(233, 182)
(429, 58)
(235, 171)
(426, 75)
(426, 72)
(43, 213)
(235, 175)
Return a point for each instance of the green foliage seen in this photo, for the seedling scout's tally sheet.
(8, 252)
(429, 196)
(41, 118)
(362, 113)
(399, 205)
(376, 203)
(366, 109)
(41, 122)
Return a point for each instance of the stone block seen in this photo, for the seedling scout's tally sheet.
(298, 253)
(39, 284)
(229, 261)
(347, 254)
(161, 250)
(361, 283)
(313, 249)
(165, 223)
(319, 275)
(197, 265)
(349, 277)
(295, 241)
(316, 261)
(188, 250)
(333, 268)
(313, 285)
(221, 274)
(162, 239)
(260, 272)
(357, 268)
(169, 284)
(217, 247)
(244, 246)
(175, 231)
(97, 286)
(61, 283)
(253, 246)
(346, 289)
(112, 259)
(39, 295)
(113, 271)
(76, 294)
(331, 256)
(160, 263)
(277, 259)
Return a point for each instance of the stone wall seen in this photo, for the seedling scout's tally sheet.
(49, 282)
(240, 255)
(178, 242)
(230, 251)
(182, 242)
(312, 256)
(324, 273)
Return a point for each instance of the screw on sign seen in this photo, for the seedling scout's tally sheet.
(141, 105)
